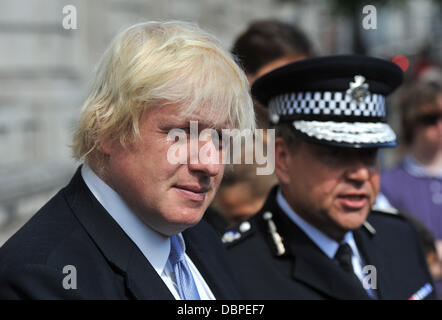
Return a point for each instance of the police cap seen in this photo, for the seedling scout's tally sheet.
(335, 100)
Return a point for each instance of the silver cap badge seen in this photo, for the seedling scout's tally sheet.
(358, 89)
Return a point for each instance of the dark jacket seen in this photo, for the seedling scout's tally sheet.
(389, 243)
(74, 229)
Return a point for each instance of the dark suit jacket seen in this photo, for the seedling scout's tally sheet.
(305, 272)
(74, 229)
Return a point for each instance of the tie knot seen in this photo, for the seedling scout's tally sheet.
(343, 256)
(176, 249)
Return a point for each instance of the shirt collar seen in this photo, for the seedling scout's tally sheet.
(324, 242)
(416, 169)
(154, 246)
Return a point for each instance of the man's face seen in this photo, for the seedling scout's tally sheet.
(330, 187)
(167, 197)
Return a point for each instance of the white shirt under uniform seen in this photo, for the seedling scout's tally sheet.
(154, 246)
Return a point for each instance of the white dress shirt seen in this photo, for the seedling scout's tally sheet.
(324, 242)
(154, 246)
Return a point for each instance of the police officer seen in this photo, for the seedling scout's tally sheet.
(318, 235)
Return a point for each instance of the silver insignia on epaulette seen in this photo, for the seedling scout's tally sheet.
(277, 239)
(230, 236)
(244, 227)
(369, 228)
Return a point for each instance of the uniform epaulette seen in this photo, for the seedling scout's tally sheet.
(386, 210)
(237, 234)
(383, 211)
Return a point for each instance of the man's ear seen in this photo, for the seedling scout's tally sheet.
(105, 145)
(282, 160)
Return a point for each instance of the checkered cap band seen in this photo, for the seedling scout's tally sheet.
(327, 103)
(347, 132)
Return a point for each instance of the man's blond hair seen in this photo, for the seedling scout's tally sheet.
(155, 63)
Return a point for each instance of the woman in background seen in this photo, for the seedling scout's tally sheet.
(415, 185)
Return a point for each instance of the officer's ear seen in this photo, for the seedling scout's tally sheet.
(282, 160)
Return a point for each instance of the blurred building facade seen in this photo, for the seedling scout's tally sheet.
(45, 70)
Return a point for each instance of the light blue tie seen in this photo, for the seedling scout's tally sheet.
(184, 279)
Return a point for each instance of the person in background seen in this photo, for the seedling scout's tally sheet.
(267, 45)
(263, 47)
(318, 236)
(415, 185)
(431, 251)
(127, 226)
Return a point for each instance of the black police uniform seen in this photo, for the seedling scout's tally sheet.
(387, 241)
(338, 101)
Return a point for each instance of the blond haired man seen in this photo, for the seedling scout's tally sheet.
(127, 225)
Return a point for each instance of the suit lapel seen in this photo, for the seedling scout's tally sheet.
(315, 269)
(118, 249)
(143, 281)
(207, 263)
(373, 254)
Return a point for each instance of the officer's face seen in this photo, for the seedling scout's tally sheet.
(167, 197)
(332, 188)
